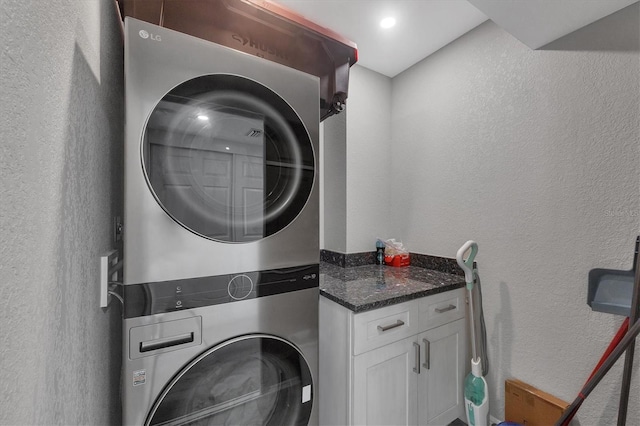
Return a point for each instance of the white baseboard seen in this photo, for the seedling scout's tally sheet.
(493, 420)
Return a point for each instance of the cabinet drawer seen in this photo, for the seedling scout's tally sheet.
(379, 327)
(442, 308)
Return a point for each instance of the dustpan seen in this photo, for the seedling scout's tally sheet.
(611, 290)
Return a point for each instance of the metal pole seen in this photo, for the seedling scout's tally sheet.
(628, 358)
(472, 326)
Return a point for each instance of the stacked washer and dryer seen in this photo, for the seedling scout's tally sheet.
(221, 237)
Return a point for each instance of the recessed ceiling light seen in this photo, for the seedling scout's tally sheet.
(388, 22)
(203, 117)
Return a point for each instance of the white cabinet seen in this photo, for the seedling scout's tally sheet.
(440, 384)
(402, 364)
(384, 385)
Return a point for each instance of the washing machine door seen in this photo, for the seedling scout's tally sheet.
(250, 380)
(227, 158)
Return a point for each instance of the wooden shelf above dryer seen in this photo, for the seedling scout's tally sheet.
(262, 28)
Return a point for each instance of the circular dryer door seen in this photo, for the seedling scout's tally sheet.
(227, 158)
(251, 380)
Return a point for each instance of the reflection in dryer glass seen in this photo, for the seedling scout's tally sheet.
(228, 159)
(257, 380)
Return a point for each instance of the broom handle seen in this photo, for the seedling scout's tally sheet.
(614, 342)
(606, 366)
(628, 358)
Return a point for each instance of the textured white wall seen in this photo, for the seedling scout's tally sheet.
(333, 201)
(536, 156)
(369, 150)
(61, 121)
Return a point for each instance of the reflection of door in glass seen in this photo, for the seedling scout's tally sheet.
(228, 159)
(248, 187)
(211, 176)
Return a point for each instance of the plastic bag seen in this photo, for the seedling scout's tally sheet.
(395, 254)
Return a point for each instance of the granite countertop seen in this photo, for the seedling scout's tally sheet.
(367, 287)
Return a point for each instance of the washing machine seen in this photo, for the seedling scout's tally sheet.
(221, 251)
(245, 353)
(220, 159)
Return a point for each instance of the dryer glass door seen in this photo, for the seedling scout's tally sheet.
(227, 158)
(251, 380)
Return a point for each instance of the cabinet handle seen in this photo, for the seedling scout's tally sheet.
(389, 327)
(448, 308)
(427, 354)
(416, 368)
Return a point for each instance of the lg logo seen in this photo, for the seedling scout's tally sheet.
(145, 35)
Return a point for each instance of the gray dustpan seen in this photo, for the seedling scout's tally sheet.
(611, 290)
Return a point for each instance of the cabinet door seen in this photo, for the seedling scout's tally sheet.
(440, 384)
(385, 385)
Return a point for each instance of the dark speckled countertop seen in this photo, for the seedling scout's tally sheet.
(367, 287)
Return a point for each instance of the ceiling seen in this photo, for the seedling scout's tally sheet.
(424, 26)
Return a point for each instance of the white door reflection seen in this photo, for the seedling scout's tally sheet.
(208, 169)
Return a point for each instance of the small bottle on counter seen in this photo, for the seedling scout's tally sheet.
(379, 252)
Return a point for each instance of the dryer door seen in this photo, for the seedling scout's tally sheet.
(250, 380)
(227, 158)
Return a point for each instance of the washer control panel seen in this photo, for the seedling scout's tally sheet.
(170, 296)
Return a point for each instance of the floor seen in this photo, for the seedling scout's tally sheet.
(458, 422)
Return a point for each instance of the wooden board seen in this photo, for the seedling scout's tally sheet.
(530, 406)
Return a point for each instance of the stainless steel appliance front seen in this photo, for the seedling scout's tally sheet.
(244, 362)
(220, 159)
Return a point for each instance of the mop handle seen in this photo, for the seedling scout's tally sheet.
(467, 265)
(472, 328)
